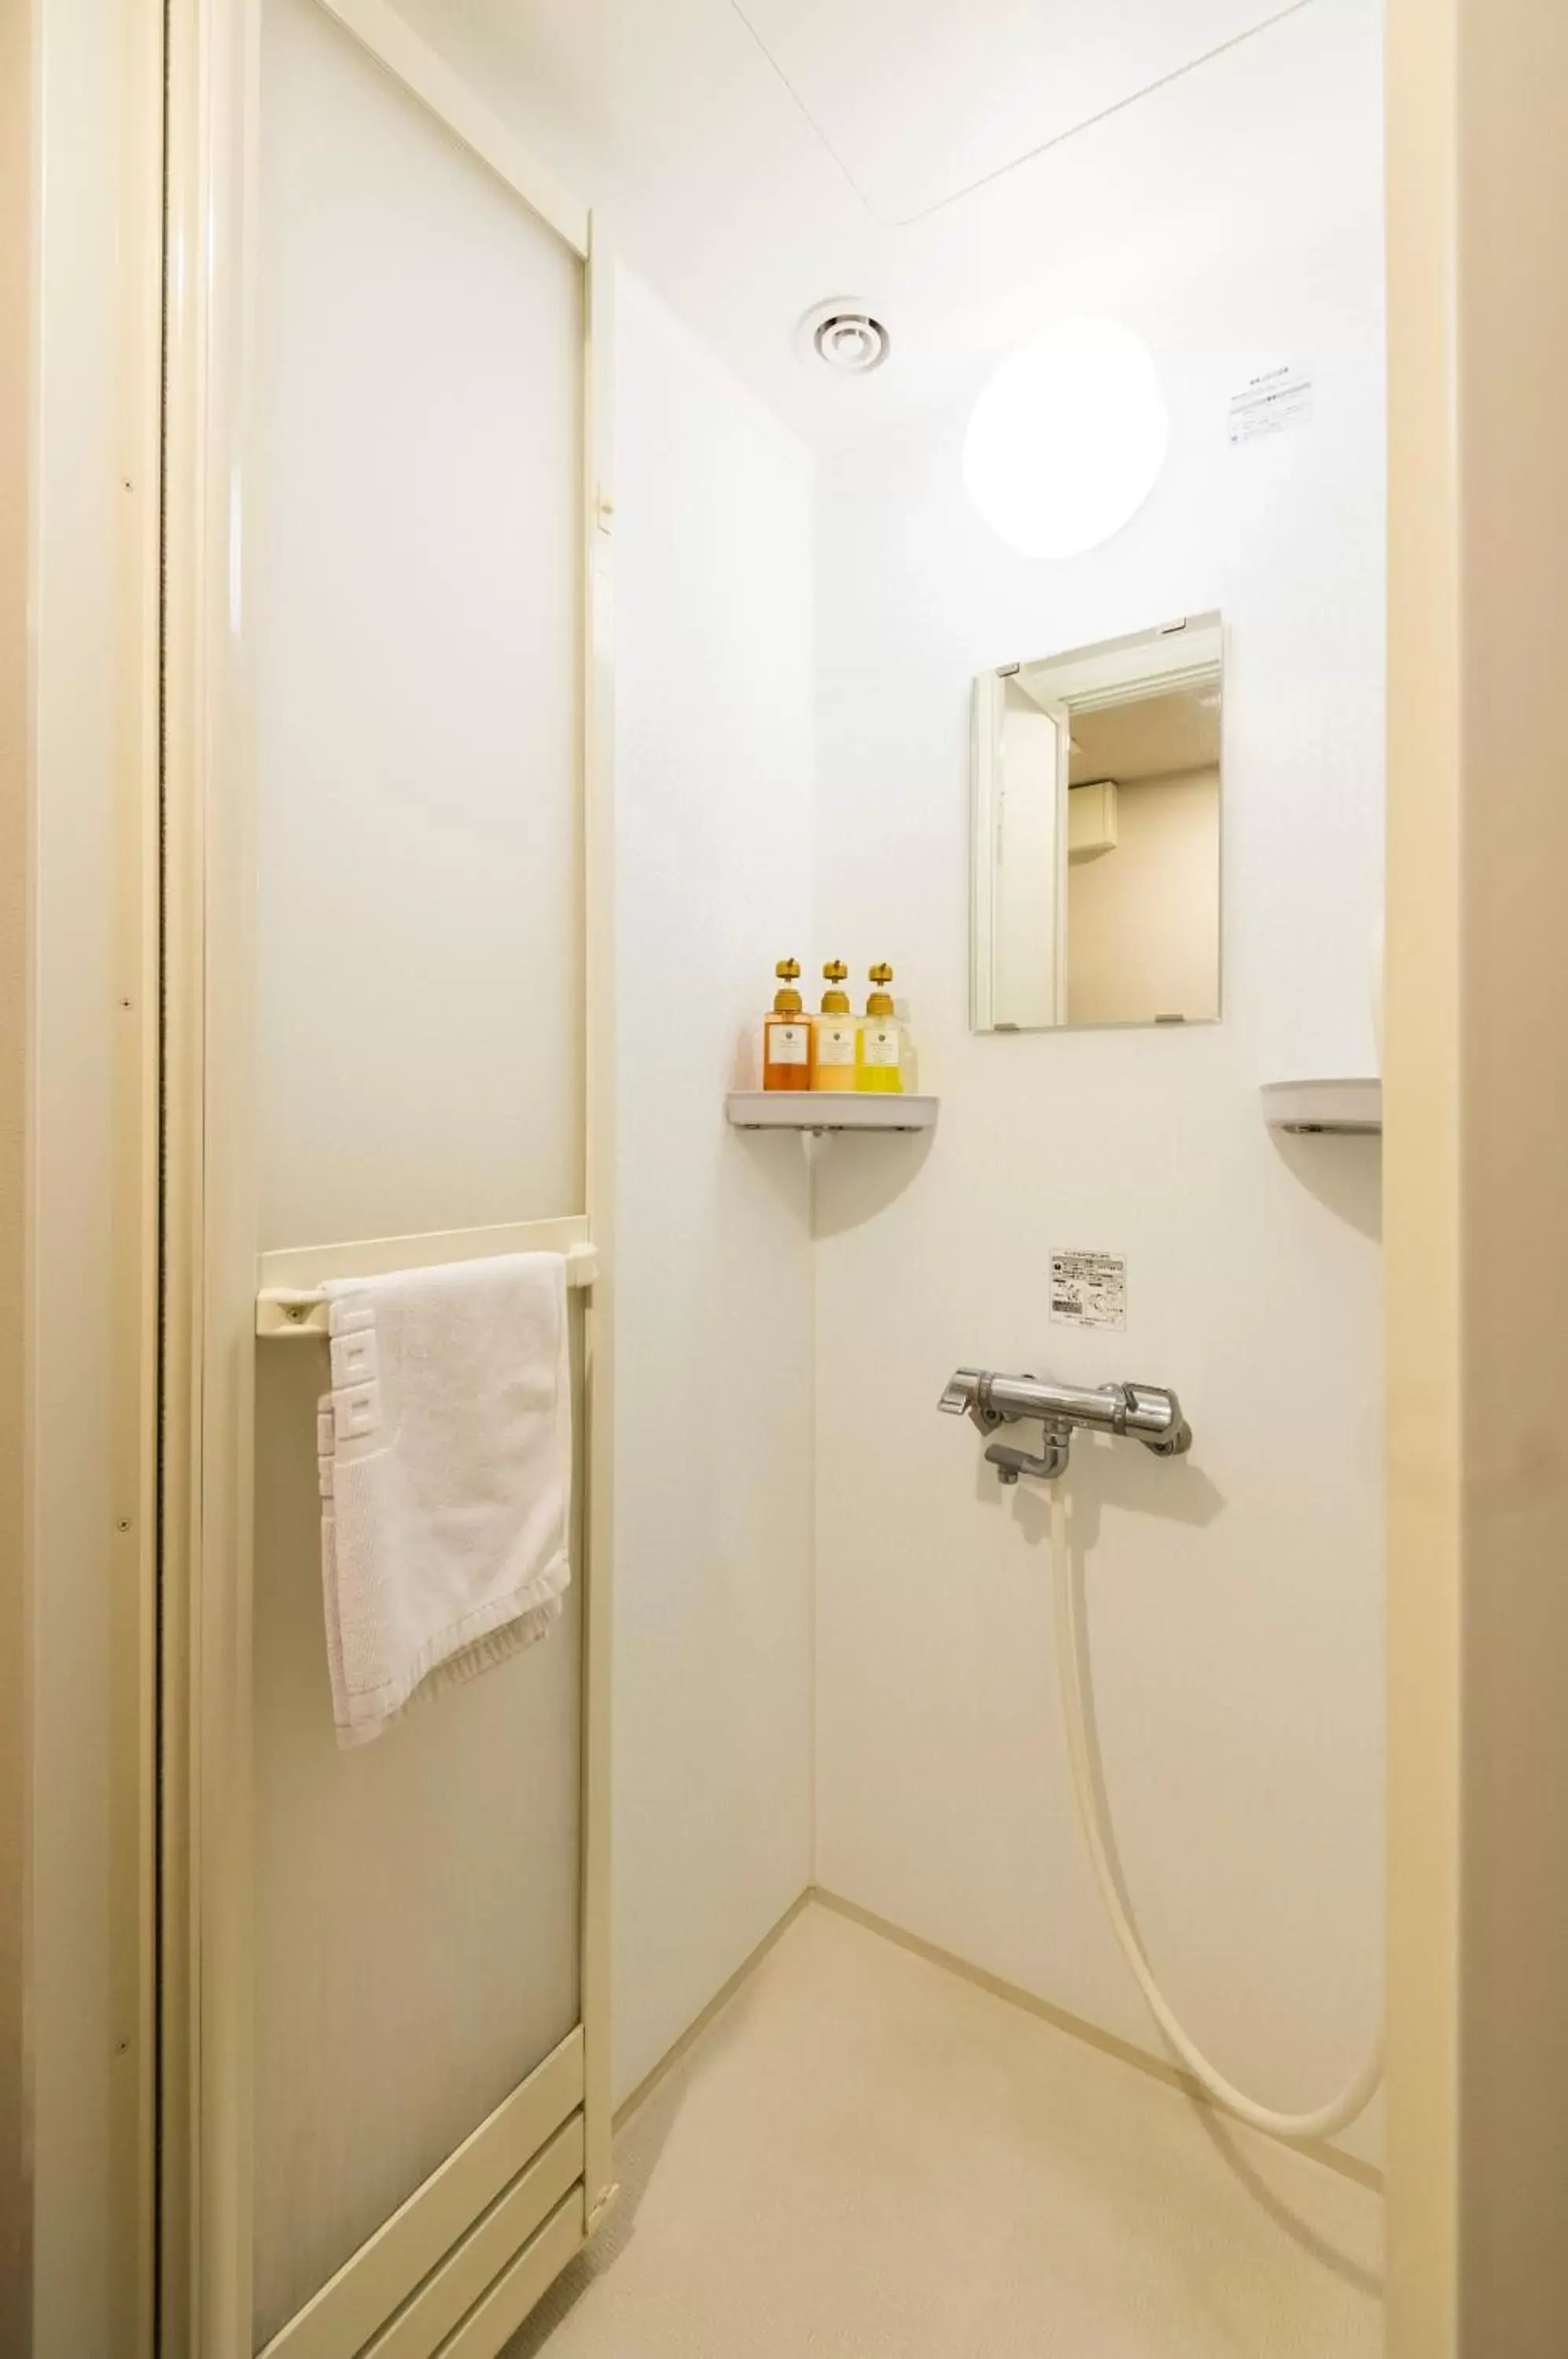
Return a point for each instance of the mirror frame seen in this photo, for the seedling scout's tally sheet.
(1163, 658)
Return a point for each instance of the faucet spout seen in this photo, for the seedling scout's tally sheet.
(1010, 1462)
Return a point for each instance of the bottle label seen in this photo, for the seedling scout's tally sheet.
(881, 1044)
(835, 1044)
(788, 1044)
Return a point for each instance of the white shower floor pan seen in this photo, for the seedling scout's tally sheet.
(866, 2157)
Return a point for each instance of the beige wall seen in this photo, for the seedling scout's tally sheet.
(1513, 272)
(1420, 1174)
(1143, 921)
(1477, 1146)
(15, 230)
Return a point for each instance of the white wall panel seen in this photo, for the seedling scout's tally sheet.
(1235, 1598)
(713, 1723)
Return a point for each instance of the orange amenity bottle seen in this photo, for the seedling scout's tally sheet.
(785, 1035)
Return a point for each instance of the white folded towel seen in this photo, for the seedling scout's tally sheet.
(445, 1453)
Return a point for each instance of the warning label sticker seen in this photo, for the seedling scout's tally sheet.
(1275, 401)
(1088, 1290)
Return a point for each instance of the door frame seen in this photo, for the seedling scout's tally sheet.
(81, 263)
(210, 1262)
(212, 44)
(1476, 1147)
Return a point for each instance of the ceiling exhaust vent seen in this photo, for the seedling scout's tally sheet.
(844, 336)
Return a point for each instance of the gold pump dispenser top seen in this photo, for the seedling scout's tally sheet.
(786, 999)
(880, 1002)
(836, 1001)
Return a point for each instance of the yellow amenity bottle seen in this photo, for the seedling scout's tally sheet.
(786, 1035)
(880, 1050)
(834, 1034)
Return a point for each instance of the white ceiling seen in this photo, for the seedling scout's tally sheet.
(920, 100)
(726, 198)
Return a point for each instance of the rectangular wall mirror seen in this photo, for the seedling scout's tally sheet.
(1096, 846)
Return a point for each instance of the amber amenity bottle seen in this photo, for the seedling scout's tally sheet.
(879, 1046)
(834, 1034)
(785, 1035)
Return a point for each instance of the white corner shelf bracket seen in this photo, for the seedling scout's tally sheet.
(828, 1112)
(1347, 1107)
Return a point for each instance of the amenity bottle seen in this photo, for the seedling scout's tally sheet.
(834, 1034)
(879, 1044)
(785, 1035)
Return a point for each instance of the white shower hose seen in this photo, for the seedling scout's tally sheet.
(1089, 1785)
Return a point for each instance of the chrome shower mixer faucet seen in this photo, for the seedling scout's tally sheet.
(1146, 1412)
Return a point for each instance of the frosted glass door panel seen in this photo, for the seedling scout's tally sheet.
(417, 627)
(415, 523)
(417, 1900)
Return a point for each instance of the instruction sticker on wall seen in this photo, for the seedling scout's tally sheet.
(1088, 1290)
(1275, 401)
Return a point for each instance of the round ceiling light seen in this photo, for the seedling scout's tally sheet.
(1067, 437)
(845, 336)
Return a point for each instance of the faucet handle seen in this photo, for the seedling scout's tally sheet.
(967, 1393)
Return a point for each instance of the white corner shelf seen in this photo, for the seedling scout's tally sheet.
(1347, 1107)
(822, 1111)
